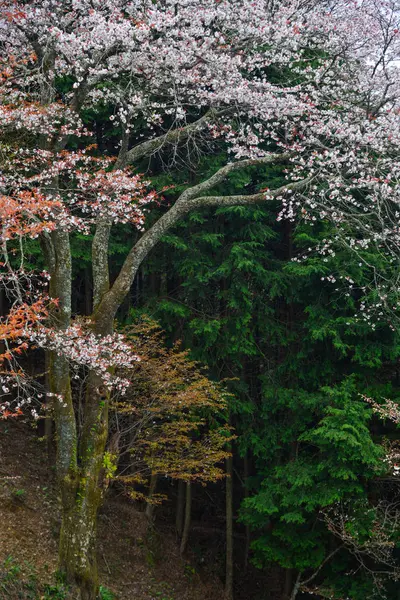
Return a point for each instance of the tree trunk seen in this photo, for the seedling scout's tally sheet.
(77, 551)
(246, 495)
(229, 530)
(88, 293)
(82, 495)
(296, 587)
(80, 467)
(180, 508)
(78, 472)
(48, 419)
(188, 516)
(288, 587)
(150, 507)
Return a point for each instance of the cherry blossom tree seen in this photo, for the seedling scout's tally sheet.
(201, 74)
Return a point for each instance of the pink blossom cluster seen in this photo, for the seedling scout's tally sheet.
(91, 191)
(83, 348)
(45, 121)
(18, 395)
(180, 55)
(317, 80)
(116, 195)
(388, 410)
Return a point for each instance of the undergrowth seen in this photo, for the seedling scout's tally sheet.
(22, 583)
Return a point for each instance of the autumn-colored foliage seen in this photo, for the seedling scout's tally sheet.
(16, 331)
(172, 419)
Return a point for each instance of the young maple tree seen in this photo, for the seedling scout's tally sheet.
(171, 422)
(310, 85)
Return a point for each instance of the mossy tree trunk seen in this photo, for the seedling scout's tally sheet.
(77, 550)
(79, 464)
(82, 496)
(80, 458)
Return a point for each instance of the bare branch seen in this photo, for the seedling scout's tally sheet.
(327, 559)
(223, 172)
(174, 136)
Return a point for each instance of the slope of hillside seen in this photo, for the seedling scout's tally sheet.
(134, 563)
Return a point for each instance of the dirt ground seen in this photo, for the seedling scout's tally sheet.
(134, 562)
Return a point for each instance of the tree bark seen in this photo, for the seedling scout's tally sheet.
(229, 530)
(150, 507)
(246, 495)
(59, 381)
(296, 587)
(191, 199)
(180, 508)
(79, 468)
(82, 495)
(188, 517)
(77, 552)
(288, 584)
(48, 420)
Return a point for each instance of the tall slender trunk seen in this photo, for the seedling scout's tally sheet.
(180, 508)
(288, 584)
(188, 518)
(296, 587)
(229, 530)
(48, 421)
(83, 491)
(246, 467)
(150, 508)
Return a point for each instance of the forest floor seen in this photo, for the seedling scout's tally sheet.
(135, 562)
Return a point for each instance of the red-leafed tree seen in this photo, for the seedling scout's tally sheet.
(202, 74)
